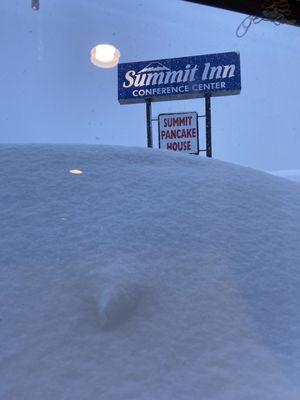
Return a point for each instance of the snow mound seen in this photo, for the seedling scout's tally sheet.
(292, 174)
(151, 275)
(117, 304)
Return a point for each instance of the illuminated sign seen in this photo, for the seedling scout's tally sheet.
(179, 78)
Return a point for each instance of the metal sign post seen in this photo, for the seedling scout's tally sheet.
(149, 124)
(208, 125)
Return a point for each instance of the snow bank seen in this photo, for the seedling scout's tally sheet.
(151, 275)
(292, 174)
(117, 303)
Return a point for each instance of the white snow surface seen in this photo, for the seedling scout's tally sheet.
(150, 276)
(292, 174)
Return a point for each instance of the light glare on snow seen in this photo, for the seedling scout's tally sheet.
(105, 56)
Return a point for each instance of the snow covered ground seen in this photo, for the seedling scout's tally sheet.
(150, 276)
(292, 174)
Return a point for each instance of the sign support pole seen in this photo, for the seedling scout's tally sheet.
(208, 125)
(149, 124)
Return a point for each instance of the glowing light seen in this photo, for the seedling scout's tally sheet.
(75, 171)
(105, 56)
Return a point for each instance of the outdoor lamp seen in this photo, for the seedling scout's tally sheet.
(105, 56)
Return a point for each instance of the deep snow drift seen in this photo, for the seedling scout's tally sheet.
(292, 174)
(150, 276)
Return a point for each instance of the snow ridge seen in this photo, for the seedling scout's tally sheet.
(151, 275)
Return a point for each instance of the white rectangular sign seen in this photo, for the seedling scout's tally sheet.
(179, 132)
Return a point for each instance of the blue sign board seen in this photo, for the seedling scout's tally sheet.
(179, 78)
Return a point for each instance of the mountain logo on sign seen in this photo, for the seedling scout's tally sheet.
(154, 67)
